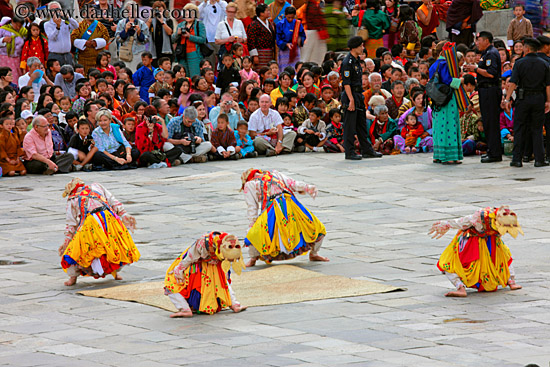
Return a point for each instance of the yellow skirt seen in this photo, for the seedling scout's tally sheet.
(205, 287)
(287, 223)
(101, 235)
(480, 262)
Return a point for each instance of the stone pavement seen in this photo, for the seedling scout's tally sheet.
(377, 213)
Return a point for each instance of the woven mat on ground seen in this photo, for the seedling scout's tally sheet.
(274, 285)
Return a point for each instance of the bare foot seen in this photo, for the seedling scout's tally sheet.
(182, 313)
(251, 262)
(513, 286)
(118, 277)
(238, 308)
(317, 258)
(407, 150)
(414, 150)
(71, 281)
(22, 173)
(461, 292)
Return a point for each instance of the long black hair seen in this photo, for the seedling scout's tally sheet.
(40, 36)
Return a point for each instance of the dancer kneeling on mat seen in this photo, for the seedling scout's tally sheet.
(477, 257)
(97, 242)
(199, 279)
(285, 228)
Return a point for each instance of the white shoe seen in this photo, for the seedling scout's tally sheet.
(162, 165)
(154, 165)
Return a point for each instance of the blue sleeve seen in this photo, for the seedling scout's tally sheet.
(443, 71)
(213, 117)
(141, 37)
(137, 77)
(280, 37)
(98, 142)
(503, 133)
(123, 34)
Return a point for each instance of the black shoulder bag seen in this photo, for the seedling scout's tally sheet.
(439, 93)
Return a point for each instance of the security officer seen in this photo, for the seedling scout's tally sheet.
(531, 75)
(490, 95)
(355, 119)
(544, 53)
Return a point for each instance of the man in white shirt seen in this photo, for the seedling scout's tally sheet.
(265, 123)
(59, 36)
(30, 79)
(211, 13)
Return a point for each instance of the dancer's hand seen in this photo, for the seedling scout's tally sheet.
(130, 222)
(312, 191)
(63, 247)
(178, 274)
(439, 229)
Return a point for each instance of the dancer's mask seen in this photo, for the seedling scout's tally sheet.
(506, 221)
(231, 254)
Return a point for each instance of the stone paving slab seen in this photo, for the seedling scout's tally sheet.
(377, 213)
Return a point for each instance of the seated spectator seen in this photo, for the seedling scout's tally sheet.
(335, 133)
(244, 141)
(230, 108)
(114, 151)
(187, 133)
(158, 84)
(131, 97)
(247, 73)
(382, 130)
(397, 99)
(265, 127)
(375, 82)
(39, 151)
(285, 82)
(90, 111)
(151, 136)
(507, 125)
(313, 131)
(301, 113)
(473, 137)
(228, 75)
(34, 78)
(82, 146)
(224, 143)
(424, 116)
(396, 74)
(327, 94)
(203, 120)
(67, 79)
(129, 130)
(83, 91)
(10, 148)
(409, 140)
(138, 112)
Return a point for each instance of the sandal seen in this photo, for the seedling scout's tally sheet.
(437, 161)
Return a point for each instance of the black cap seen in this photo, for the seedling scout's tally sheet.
(355, 42)
(543, 40)
(532, 43)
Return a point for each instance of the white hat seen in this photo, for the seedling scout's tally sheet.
(25, 114)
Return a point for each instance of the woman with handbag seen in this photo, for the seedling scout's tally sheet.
(161, 29)
(447, 137)
(132, 35)
(375, 21)
(410, 33)
(229, 31)
(392, 35)
(189, 36)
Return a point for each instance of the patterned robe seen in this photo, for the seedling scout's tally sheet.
(88, 56)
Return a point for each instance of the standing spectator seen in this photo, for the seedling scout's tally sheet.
(428, 20)
(89, 38)
(409, 36)
(261, 38)
(12, 37)
(144, 76)
(6, 9)
(447, 139)
(337, 26)
(277, 11)
(35, 45)
(230, 108)
(520, 27)
(265, 127)
(39, 153)
(392, 10)
(376, 23)
(229, 31)
(107, 15)
(58, 32)
(134, 32)
(315, 46)
(462, 17)
(35, 78)
(67, 79)
(490, 94)
(191, 33)
(161, 30)
(290, 37)
(212, 13)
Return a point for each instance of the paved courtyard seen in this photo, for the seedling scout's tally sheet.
(377, 214)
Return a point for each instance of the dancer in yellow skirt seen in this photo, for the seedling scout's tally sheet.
(477, 257)
(285, 228)
(199, 279)
(97, 242)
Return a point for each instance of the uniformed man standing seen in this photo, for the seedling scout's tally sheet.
(531, 75)
(355, 118)
(490, 95)
(544, 53)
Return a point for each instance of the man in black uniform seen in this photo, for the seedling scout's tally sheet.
(532, 75)
(544, 53)
(490, 95)
(353, 103)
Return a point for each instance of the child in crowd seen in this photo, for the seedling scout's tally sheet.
(281, 105)
(71, 119)
(237, 51)
(507, 125)
(65, 105)
(411, 133)
(520, 27)
(101, 86)
(335, 133)
(102, 64)
(228, 75)
(314, 131)
(82, 146)
(21, 126)
(247, 73)
(274, 68)
(129, 126)
(224, 143)
(35, 45)
(244, 141)
(158, 84)
(301, 93)
(288, 126)
(10, 148)
(269, 85)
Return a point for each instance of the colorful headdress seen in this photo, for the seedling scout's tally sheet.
(228, 251)
(249, 175)
(505, 221)
(73, 186)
